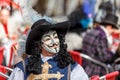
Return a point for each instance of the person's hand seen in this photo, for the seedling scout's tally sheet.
(115, 46)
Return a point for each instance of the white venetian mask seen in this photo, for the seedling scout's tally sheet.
(50, 42)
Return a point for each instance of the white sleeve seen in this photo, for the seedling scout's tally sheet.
(78, 73)
(17, 74)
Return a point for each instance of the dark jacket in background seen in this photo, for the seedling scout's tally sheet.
(95, 45)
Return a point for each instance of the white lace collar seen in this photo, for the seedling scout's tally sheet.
(45, 58)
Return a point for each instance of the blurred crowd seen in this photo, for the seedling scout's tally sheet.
(94, 29)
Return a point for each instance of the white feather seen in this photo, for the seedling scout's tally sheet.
(29, 14)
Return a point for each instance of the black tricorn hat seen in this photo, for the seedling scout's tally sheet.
(39, 28)
(110, 19)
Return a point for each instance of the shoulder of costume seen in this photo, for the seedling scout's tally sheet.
(21, 63)
(73, 65)
(101, 32)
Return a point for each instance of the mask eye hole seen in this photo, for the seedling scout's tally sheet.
(47, 39)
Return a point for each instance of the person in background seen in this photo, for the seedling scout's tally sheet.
(80, 23)
(4, 16)
(97, 45)
(8, 26)
(89, 7)
(104, 8)
(48, 56)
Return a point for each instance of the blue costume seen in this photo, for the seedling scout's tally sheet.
(76, 71)
(54, 69)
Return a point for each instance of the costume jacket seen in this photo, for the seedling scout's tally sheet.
(76, 73)
(95, 45)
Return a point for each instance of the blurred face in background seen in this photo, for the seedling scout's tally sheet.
(4, 15)
(110, 29)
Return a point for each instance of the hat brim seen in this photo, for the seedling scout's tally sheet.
(111, 23)
(36, 33)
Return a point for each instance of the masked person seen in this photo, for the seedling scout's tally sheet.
(48, 57)
(97, 45)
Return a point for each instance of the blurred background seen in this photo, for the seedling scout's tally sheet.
(17, 16)
(58, 8)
